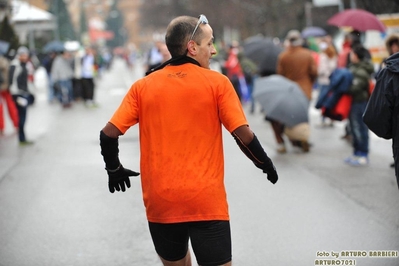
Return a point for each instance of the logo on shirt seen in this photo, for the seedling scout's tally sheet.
(177, 75)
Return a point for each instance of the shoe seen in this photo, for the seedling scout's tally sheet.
(25, 143)
(91, 104)
(358, 161)
(349, 159)
(281, 148)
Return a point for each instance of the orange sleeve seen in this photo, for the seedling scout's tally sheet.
(231, 112)
(127, 113)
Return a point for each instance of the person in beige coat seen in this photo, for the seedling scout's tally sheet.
(297, 64)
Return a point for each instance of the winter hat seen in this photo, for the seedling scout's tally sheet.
(22, 50)
(294, 37)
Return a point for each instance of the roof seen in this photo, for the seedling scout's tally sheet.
(23, 11)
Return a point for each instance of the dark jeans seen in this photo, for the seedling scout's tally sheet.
(22, 110)
(360, 132)
(77, 88)
(87, 89)
(65, 93)
(236, 84)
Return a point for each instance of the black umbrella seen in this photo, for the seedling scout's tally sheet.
(264, 52)
(282, 100)
(54, 46)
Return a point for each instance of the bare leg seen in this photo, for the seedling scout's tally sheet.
(278, 130)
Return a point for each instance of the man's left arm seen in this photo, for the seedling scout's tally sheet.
(118, 176)
(250, 145)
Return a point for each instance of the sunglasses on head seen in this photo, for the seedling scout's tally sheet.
(201, 20)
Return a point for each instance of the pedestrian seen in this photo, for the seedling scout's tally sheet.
(5, 96)
(234, 70)
(155, 57)
(250, 71)
(376, 113)
(352, 39)
(47, 64)
(361, 69)
(181, 107)
(381, 114)
(77, 74)
(392, 47)
(88, 72)
(61, 75)
(22, 89)
(327, 64)
(297, 64)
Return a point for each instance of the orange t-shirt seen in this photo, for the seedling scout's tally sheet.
(180, 110)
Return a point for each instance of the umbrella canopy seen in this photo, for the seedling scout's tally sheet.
(358, 19)
(54, 46)
(263, 52)
(281, 100)
(313, 32)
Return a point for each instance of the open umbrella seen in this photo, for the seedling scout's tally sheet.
(358, 19)
(281, 100)
(54, 46)
(313, 32)
(263, 52)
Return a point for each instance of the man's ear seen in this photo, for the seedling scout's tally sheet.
(192, 47)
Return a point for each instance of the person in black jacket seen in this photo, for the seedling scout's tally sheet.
(382, 111)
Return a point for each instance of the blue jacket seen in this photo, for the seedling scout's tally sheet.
(340, 82)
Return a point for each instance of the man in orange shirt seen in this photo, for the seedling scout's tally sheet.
(181, 107)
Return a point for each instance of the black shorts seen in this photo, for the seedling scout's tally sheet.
(210, 240)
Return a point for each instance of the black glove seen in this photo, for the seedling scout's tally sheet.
(255, 152)
(118, 178)
(271, 172)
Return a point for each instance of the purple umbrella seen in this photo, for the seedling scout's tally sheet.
(358, 19)
(313, 32)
